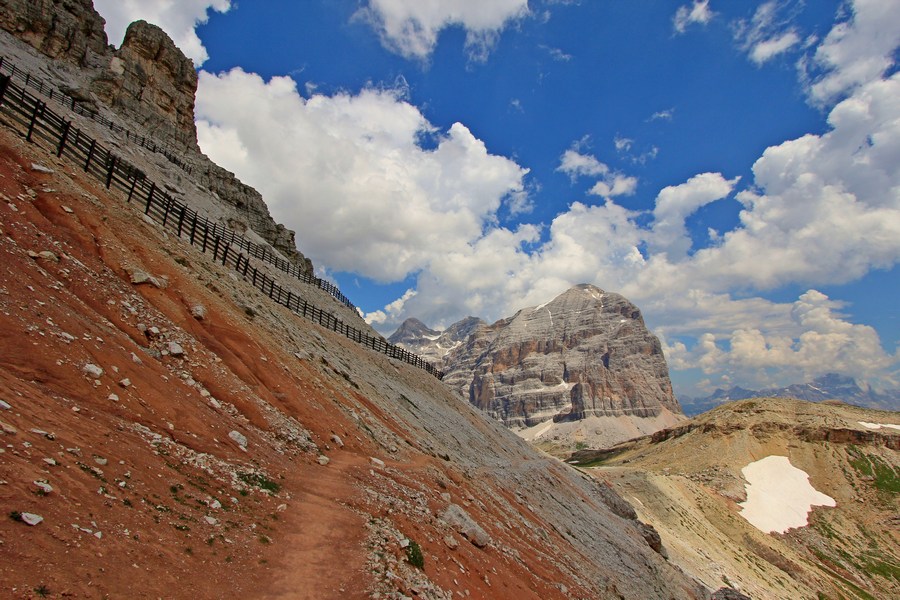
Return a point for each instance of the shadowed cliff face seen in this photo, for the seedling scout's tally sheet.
(586, 353)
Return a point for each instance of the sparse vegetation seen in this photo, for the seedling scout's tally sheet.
(414, 555)
(259, 480)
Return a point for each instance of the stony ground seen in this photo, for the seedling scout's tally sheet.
(179, 436)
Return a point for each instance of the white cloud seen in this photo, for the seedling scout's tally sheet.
(857, 51)
(765, 36)
(674, 204)
(698, 12)
(178, 19)
(347, 173)
(764, 50)
(820, 341)
(575, 164)
(411, 27)
(612, 183)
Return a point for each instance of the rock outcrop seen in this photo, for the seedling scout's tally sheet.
(65, 30)
(149, 81)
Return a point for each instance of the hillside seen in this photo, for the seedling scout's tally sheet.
(689, 483)
(168, 431)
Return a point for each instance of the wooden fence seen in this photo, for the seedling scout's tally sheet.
(69, 102)
(31, 117)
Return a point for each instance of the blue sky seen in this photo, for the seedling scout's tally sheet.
(732, 167)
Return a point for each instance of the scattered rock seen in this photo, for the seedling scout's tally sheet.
(125, 383)
(45, 487)
(337, 440)
(175, 349)
(377, 462)
(47, 255)
(465, 525)
(198, 311)
(4, 405)
(67, 209)
(238, 438)
(139, 277)
(451, 542)
(92, 370)
(323, 460)
(8, 429)
(30, 518)
(39, 168)
(211, 520)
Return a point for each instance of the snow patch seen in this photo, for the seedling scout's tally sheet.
(878, 425)
(779, 496)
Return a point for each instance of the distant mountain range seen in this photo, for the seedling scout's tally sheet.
(828, 387)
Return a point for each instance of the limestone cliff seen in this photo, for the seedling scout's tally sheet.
(66, 30)
(587, 353)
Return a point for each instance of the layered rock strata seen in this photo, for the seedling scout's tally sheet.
(586, 353)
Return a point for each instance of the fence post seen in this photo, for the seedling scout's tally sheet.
(63, 138)
(87, 163)
(109, 172)
(38, 110)
(150, 198)
(193, 227)
(166, 211)
(181, 219)
(4, 85)
(134, 179)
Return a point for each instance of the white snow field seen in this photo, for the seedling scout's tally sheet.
(779, 495)
(878, 425)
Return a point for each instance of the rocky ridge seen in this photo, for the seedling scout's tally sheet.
(830, 386)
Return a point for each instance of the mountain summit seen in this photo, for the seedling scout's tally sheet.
(583, 356)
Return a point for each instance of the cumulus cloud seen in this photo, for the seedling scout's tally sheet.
(411, 27)
(856, 51)
(612, 183)
(698, 12)
(348, 174)
(821, 341)
(178, 19)
(676, 203)
(766, 35)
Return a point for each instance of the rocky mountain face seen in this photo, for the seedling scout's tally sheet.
(65, 30)
(691, 485)
(830, 386)
(434, 346)
(147, 84)
(585, 355)
(177, 435)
